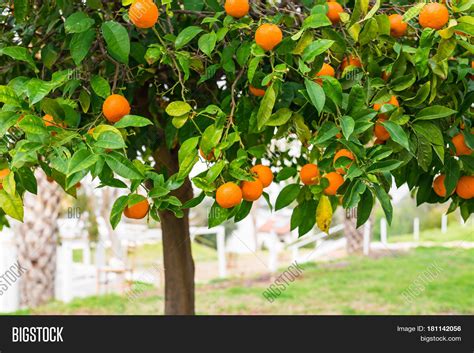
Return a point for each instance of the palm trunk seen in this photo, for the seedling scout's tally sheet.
(354, 236)
(37, 242)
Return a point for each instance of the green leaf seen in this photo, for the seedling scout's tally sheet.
(21, 9)
(132, 121)
(117, 39)
(207, 43)
(100, 86)
(327, 131)
(316, 48)
(347, 124)
(81, 160)
(397, 134)
(266, 107)
(384, 166)
(122, 166)
(117, 210)
(280, 117)
(7, 120)
(434, 112)
(244, 210)
(186, 35)
(8, 96)
(80, 45)
(19, 53)
(37, 89)
(384, 199)
(78, 22)
(286, 173)
(12, 205)
(287, 196)
(217, 215)
(109, 140)
(178, 109)
(453, 173)
(364, 208)
(316, 94)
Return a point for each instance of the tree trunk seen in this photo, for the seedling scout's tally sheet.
(36, 241)
(177, 255)
(354, 236)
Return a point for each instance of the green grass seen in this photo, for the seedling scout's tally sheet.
(455, 233)
(351, 286)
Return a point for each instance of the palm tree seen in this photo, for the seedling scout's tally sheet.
(36, 240)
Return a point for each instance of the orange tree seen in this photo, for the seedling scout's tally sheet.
(134, 94)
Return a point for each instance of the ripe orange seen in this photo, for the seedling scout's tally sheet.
(380, 131)
(326, 70)
(465, 187)
(228, 195)
(460, 145)
(433, 15)
(143, 13)
(397, 27)
(252, 190)
(335, 182)
(3, 174)
(237, 8)
(137, 211)
(343, 153)
(264, 174)
(268, 36)
(49, 121)
(393, 101)
(438, 185)
(309, 174)
(115, 108)
(379, 142)
(257, 92)
(338, 135)
(350, 60)
(334, 11)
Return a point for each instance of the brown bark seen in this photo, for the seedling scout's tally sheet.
(354, 236)
(36, 241)
(177, 255)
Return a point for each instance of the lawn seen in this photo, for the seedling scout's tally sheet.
(455, 233)
(352, 286)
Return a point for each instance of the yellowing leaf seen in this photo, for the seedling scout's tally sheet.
(324, 214)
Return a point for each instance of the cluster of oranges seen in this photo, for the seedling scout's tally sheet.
(310, 175)
(230, 194)
(464, 188)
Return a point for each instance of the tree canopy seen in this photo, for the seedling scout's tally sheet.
(394, 94)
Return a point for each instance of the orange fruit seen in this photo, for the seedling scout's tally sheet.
(228, 195)
(465, 187)
(252, 190)
(137, 211)
(209, 157)
(237, 8)
(115, 108)
(268, 36)
(397, 27)
(335, 182)
(264, 174)
(257, 92)
(326, 70)
(393, 101)
(380, 131)
(350, 60)
(143, 13)
(460, 145)
(338, 135)
(433, 15)
(438, 185)
(309, 174)
(343, 153)
(334, 11)
(49, 121)
(379, 141)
